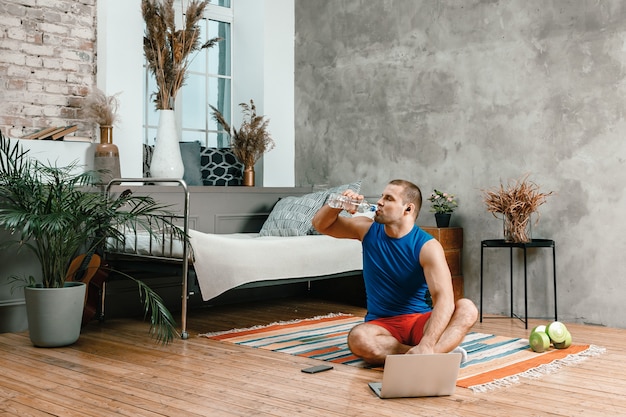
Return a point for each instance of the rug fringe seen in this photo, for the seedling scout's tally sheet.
(262, 326)
(541, 370)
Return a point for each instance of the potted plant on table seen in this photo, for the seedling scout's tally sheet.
(516, 203)
(168, 52)
(102, 110)
(443, 205)
(59, 215)
(251, 141)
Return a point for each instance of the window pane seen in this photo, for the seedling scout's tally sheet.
(153, 116)
(212, 140)
(223, 3)
(152, 132)
(219, 97)
(193, 136)
(218, 140)
(197, 59)
(194, 107)
(153, 123)
(219, 55)
(223, 140)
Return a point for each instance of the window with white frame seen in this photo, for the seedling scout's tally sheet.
(209, 81)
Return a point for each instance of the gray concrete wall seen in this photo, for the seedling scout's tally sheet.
(464, 95)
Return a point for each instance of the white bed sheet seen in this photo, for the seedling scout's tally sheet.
(226, 261)
(145, 243)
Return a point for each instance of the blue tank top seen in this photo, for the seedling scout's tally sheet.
(394, 279)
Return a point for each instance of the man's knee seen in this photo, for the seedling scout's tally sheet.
(358, 340)
(466, 311)
(361, 343)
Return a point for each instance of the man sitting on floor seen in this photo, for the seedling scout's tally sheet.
(401, 263)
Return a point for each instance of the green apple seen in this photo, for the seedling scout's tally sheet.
(539, 342)
(566, 343)
(541, 328)
(556, 331)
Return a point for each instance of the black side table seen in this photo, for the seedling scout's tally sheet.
(534, 243)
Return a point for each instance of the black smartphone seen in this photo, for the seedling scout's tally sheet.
(316, 369)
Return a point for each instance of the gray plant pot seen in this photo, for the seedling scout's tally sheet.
(55, 314)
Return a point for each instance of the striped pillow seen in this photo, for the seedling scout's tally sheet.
(291, 216)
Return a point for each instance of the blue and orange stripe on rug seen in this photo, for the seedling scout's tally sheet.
(323, 338)
(493, 361)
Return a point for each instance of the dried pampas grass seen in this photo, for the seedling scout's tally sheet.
(252, 139)
(100, 108)
(167, 49)
(516, 203)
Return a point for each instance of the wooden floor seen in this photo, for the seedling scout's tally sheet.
(116, 369)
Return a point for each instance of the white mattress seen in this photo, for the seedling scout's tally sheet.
(144, 243)
(225, 261)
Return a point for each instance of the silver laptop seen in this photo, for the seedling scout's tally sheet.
(418, 375)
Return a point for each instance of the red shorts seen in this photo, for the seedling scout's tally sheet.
(408, 329)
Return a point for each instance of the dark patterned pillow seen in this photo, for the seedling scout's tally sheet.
(148, 150)
(220, 167)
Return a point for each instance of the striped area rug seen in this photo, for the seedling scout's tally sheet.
(493, 361)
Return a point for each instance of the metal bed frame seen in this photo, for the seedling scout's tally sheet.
(185, 255)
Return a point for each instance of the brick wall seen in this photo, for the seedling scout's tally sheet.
(47, 63)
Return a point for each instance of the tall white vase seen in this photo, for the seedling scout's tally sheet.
(166, 159)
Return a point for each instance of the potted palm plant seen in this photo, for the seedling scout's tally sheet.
(59, 215)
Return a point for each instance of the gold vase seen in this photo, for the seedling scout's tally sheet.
(107, 156)
(248, 176)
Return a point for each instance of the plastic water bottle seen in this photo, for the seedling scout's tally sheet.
(336, 200)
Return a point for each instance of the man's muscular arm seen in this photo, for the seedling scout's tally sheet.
(327, 221)
(439, 283)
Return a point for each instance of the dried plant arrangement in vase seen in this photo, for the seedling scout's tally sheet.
(252, 139)
(168, 49)
(168, 52)
(102, 110)
(516, 203)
